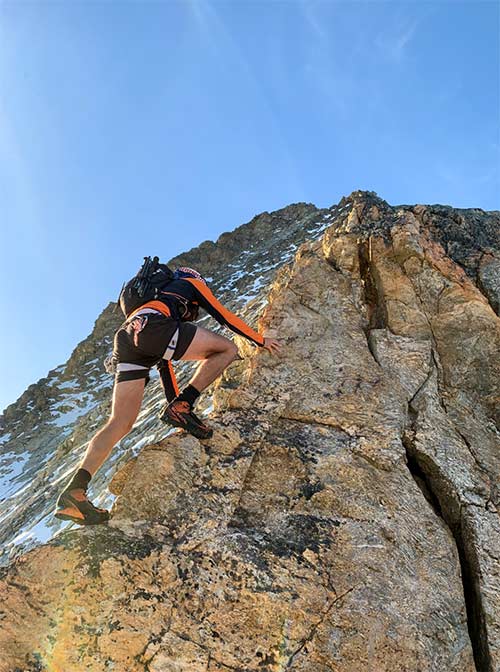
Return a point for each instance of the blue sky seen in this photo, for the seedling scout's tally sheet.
(134, 128)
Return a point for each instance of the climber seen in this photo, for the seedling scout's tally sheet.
(154, 334)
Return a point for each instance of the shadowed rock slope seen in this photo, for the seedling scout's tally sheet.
(343, 517)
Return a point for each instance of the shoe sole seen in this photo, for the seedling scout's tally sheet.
(78, 521)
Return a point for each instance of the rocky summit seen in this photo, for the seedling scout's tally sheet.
(345, 514)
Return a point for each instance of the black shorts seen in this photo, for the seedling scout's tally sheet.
(142, 342)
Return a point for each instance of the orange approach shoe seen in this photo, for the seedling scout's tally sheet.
(74, 505)
(179, 414)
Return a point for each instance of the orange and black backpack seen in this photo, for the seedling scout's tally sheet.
(145, 286)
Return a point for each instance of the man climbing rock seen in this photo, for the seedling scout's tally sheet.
(154, 334)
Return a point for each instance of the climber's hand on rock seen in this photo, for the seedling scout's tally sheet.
(272, 345)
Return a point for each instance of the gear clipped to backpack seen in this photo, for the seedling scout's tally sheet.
(145, 285)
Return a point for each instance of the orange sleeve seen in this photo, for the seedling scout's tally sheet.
(224, 316)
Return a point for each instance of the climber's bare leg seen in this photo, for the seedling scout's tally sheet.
(216, 353)
(127, 399)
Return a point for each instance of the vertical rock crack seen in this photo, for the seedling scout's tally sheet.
(430, 487)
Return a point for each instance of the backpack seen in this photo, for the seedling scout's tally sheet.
(145, 285)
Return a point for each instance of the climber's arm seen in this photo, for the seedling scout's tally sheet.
(224, 316)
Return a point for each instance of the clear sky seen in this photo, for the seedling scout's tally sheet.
(135, 128)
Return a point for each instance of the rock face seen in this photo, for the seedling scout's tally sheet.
(343, 517)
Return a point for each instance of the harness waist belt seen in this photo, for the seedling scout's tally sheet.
(156, 305)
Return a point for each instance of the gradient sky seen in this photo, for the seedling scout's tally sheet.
(135, 128)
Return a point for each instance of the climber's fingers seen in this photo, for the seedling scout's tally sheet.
(272, 345)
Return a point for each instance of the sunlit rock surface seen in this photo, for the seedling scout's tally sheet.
(344, 516)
